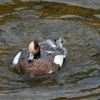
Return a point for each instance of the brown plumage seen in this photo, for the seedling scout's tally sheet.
(36, 67)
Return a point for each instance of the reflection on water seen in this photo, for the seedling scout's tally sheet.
(22, 21)
(94, 4)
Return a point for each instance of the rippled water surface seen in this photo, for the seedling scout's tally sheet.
(78, 22)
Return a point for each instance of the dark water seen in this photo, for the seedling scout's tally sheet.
(78, 22)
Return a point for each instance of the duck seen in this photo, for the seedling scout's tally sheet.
(41, 58)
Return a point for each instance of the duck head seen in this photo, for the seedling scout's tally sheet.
(34, 51)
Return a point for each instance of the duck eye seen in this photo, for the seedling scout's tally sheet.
(36, 44)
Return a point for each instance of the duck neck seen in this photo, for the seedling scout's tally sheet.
(37, 55)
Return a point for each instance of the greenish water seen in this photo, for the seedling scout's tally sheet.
(22, 21)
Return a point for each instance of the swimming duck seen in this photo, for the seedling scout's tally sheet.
(41, 58)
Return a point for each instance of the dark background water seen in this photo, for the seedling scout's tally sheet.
(78, 21)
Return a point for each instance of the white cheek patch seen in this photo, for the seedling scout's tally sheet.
(59, 59)
(31, 47)
(16, 59)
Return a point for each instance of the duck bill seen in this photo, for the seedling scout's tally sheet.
(30, 58)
